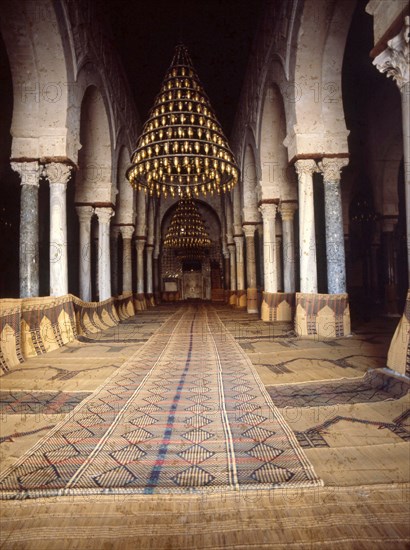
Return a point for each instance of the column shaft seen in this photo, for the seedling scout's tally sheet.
(84, 215)
(268, 212)
(58, 240)
(104, 264)
(149, 249)
(288, 244)
(307, 237)
(140, 265)
(126, 232)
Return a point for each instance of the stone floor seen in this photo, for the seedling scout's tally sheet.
(349, 413)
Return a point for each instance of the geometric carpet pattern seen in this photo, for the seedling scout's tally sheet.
(374, 386)
(186, 413)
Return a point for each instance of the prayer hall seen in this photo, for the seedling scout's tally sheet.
(204, 274)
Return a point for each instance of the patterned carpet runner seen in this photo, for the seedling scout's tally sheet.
(186, 413)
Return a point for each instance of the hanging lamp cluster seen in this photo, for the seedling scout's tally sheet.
(182, 149)
(187, 233)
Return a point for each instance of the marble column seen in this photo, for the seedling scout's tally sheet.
(104, 215)
(150, 287)
(251, 291)
(232, 258)
(279, 269)
(115, 272)
(240, 271)
(126, 232)
(84, 217)
(227, 278)
(140, 245)
(259, 229)
(394, 61)
(307, 237)
(29, 173)
(58, 175)
(268, 211)
(287, 210)
(335, 249)
(155, 268)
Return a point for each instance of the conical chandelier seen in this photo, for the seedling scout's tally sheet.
(182, 149)
(187, 233)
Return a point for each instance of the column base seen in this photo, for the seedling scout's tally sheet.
(125, 305)
(149, 300)
(322, 316)
(278, 306)
(232, 298)
(140, 303)
(241, 299)
(398, 357)
(252, 300)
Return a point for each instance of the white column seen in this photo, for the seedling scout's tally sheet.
(140, 245)
(58, 175)
(394, 61)
(29, 173)
(149, 251)
(307, 237)
(104, 215)
(252, 293)
(268, 211)
(84, 217)
(279, 270)
(126, 232)
(287, 210)
(240, 266)
(232, 258)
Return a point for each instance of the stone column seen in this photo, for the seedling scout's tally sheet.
(104, 215)
(335, 250)
(251, 291)
(279, 273)
(232, 258)
(140, 246)
(155, 268)
(259, 229)
(389, 264)
(227, 278)
(240, 271)
(126, 232)
(287, 210)
(307, 237)
(29, 173)
(268, 211)
(394, 61)
(150, 290)
(84, 217)
(114, 235)
(58, 175)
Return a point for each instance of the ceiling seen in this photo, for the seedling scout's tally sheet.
(217, 33)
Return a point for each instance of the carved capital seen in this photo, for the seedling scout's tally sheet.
(249, 231)
(268, 211)
(306, 167)
(394, 60)
(238, 241)
(84, 213)
(331, 168)
(104, 213)
(287, 210)
(140, 245)
(127, 231)
(29, 172)
(57, 172)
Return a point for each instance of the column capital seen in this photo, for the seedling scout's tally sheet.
(57, 172)
(84, 213)
(249, 230)
(29, 172)
(104, 214)
(331, 168)
(394, 60)
(140, 245)
(126, 231)
(238, 240)
(306, 167)
(268, 211)
(115, 231)
(287, 210)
